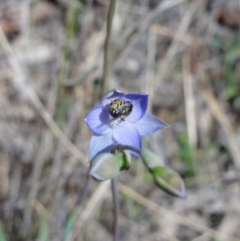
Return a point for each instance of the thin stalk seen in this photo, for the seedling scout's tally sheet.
(101, 92)
(114, 183)
(106, 47)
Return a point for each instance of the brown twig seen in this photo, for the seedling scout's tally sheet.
(106, 47)
(188, 87)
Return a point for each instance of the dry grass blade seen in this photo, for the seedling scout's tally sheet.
(164, 31)
(111, 12)
(89, 209)
(175, 43)
(148, 85)
(35, 182)
(168, 233)
(189, 103)
(143, 25)
(224, 121)
(92, 203)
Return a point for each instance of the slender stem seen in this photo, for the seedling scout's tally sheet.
(106, 46)
(114, 183)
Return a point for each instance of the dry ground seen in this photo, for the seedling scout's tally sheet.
(184, 54)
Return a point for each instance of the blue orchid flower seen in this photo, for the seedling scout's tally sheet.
(125, 129)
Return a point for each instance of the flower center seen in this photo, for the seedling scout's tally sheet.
(120, 108)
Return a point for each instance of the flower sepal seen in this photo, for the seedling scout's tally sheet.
(104, 166)
(150, 159)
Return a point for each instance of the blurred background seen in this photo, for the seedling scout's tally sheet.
(184, 54)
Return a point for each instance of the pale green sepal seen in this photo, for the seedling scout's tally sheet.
(150, 159)
(169, 180)
(104, 166)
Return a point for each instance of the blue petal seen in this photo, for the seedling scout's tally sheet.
(148, 124)
(98, 120)
(110, 96)
(127, 134)
(99, 144)
(140, 103)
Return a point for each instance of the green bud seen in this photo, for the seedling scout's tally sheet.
(104, 166)
(124, 159)
(169, 180)
(150, 159)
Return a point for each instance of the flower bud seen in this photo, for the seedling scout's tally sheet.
(169, 180)
(104, 166)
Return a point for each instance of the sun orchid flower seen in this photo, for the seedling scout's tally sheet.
(127, 130)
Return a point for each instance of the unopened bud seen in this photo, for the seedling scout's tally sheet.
(169, 180)
(104, 166)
